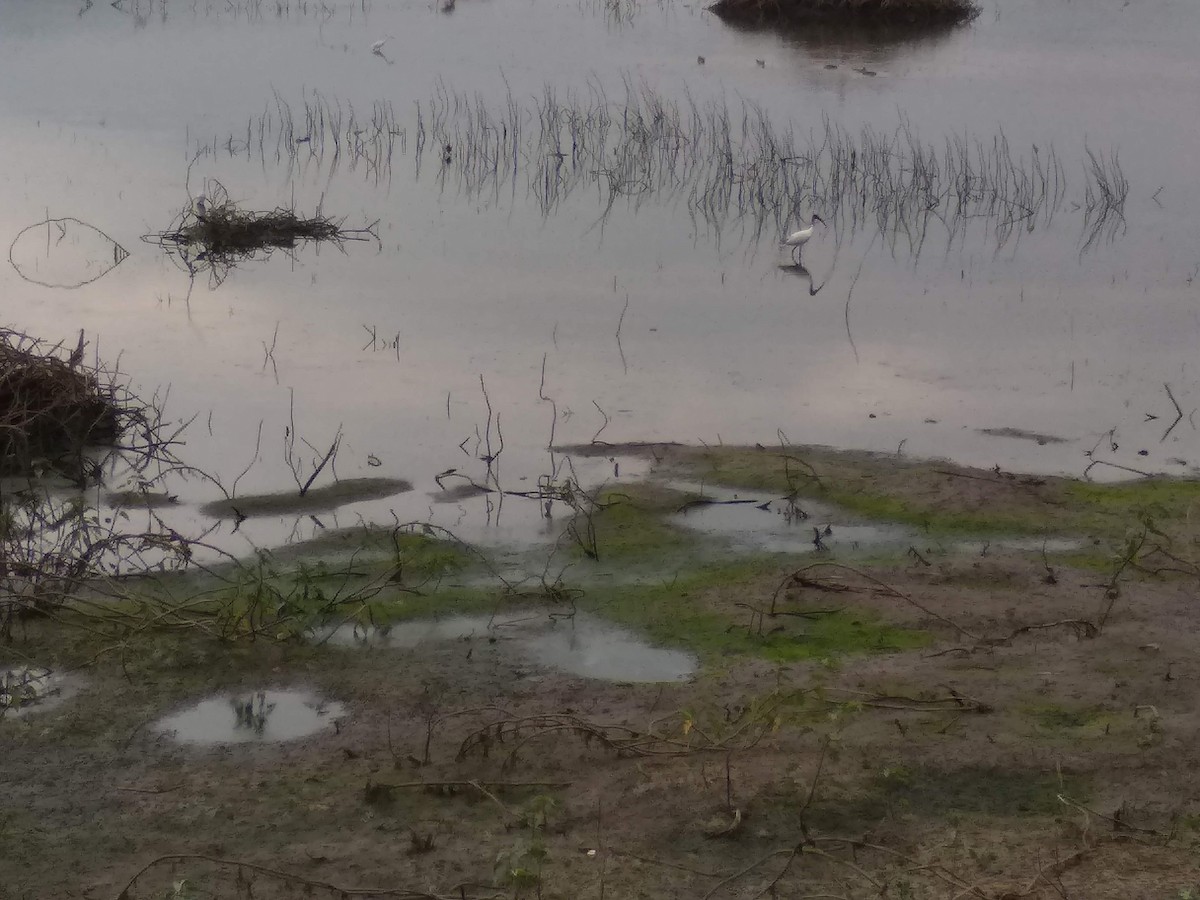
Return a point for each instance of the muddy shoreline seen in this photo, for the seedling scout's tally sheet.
(928, 720)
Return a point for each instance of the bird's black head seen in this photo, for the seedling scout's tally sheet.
(817, 218)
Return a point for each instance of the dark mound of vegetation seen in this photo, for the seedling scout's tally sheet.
(897, 12)
(212, 234)
(847, 36)
(224, 230)
(52, 406)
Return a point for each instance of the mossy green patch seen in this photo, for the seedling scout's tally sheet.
(939, 497)
(1056, 717)
(1162, 500)
(322, 499)
(977, 790)
(631, 525)
(360, 574)
(923, 792)
(882, 488)
(700, 612)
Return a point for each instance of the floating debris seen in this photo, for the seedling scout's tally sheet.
(64, 253)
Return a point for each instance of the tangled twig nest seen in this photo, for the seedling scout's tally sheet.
(52, 405)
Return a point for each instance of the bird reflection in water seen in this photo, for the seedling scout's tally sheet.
(798, 270)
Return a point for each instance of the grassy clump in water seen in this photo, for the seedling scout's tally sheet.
(213, 233)
(226, 230)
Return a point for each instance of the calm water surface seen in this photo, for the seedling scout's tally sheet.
(115, 114)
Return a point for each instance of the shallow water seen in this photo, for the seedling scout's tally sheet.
(752, 523)
(253, 716)
(578, 645)
(28, 689)
(668, 316)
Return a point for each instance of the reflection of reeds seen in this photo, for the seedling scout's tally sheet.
(1104, 199)
(144, 12)
(730, 168)
(252, 712)
(327, 134)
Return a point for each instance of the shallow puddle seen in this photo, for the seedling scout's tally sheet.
(775, 526)
(25, 689)
(578, 645)
(257, 716)
(1031, 544)
(745, 525)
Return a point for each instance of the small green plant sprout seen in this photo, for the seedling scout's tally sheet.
(536, 815)
(520, 867)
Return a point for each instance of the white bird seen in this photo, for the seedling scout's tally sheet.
(377, 47)
(797, 239)
(201, 205)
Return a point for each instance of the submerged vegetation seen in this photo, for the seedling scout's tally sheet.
(732, 168)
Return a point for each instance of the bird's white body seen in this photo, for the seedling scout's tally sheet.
(200, 205)
(377, 47)
(801, 237)
(797, 239)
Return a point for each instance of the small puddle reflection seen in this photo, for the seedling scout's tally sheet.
(24, 689)
(1032, 544)
(261, 716)
(765, 524)
(578, 645)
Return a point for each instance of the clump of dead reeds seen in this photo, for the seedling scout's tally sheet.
(932, 12)
(226, 230)
(213, 233)
(52, 406)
